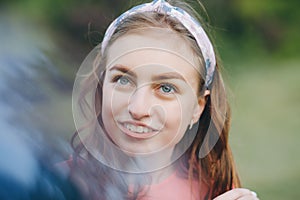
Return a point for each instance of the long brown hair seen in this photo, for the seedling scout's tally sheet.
(216, 170)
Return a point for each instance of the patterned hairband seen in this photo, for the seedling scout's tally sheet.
(191, 24)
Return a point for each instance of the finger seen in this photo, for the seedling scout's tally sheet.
(234, 194)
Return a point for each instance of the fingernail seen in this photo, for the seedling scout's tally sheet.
(254, 193)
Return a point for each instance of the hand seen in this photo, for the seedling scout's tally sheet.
(237, 194)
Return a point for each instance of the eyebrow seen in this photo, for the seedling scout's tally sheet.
(164, 76)
(169, 75)
(123, 69)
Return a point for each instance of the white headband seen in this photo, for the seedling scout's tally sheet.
(191, 24)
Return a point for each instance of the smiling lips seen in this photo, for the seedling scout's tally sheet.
(138, 131)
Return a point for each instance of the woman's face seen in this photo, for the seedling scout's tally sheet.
(150, 91)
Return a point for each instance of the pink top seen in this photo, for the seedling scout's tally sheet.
(175, 187)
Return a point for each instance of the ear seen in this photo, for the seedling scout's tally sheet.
(199, 107)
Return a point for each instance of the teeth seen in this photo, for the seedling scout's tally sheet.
(137, 129)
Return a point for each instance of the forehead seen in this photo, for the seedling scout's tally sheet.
(152, 46)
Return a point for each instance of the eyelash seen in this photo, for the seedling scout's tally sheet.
(117, 79)
(169, 85)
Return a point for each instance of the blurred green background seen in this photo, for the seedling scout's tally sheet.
(258, 41)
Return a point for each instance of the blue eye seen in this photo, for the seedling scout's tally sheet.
(167, 88)
(123, 80)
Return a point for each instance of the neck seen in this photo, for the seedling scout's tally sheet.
(154, 168)
(153, 177)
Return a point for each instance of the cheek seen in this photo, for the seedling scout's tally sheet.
(175, 121)
(112, 106)
(179, 113)
(106, 102)
(106, 112)
(178, 119)
(113, 102)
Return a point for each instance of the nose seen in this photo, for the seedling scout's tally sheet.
(140, 103)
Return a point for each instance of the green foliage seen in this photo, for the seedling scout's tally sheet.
(269, 26)
(248, 26)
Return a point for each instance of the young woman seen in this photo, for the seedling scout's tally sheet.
(151, 111)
